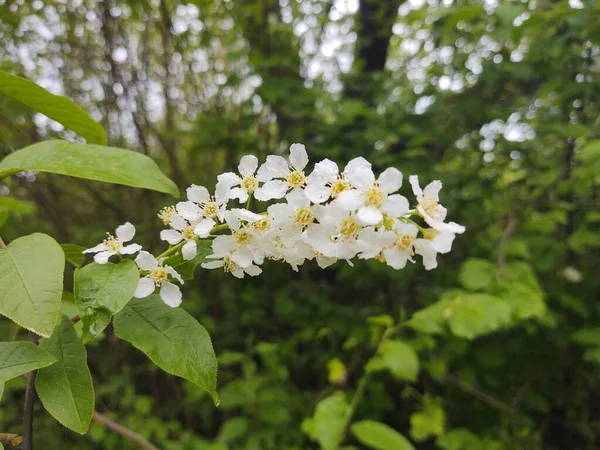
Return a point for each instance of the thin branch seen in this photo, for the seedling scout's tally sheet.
(486, 398)
(75, 318)
(12, 440)
(123, 431)
(28, 406)
(511, 225)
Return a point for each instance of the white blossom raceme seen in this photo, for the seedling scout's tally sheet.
(158, 277)
(281, 176)
(114, 245)
(326, 216)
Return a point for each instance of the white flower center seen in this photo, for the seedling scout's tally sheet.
(242, 237)
(432, 208)
(374, 196)
(188, 233)
(296, 179)
(159, 275)
(211, 209)
(304, 217)
(349, 229)
(261, 225)
(405, 242)
(250, 183)
(166, 213)
(113, 244)
(339, 186)
(229, 265)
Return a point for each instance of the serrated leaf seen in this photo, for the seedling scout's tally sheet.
(477, 274)
(379, 436)
(18, 358)
(101, 291)
(400, 359)
(31, 281)
(329, 422)
(92, 162)
(466, 320)
(56, 107)
(171, 338)
(65, 389)
(74, 254)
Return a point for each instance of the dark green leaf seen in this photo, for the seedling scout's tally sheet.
(101, 291)
(65, 389)
(74, 254)
(400, 359)
(92, 162)
(171, 338)
(379, 436)
(56, 107)
(31, 280)
(17, 358)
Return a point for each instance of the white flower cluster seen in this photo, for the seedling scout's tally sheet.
(326, 215)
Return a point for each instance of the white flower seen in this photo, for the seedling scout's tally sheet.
(428, 206)
(336, 234)
(297, 212)
(241, 187)
(228, 254)
(372, 242)
(158, 276)
(182, 231)
(114, 245)
(403, 248)
(281, 176)
(325, 181)
(200, 204)
(372, 198)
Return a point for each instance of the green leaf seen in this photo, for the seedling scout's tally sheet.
(31, 280)
(1, 389)
(101, 291)
(466, 320)
(477, 274)
(56, 107)
(428, 423)
(172, 339)
(379, 436)
(587, 336)
(329, 422)
(233, 429)
(92, 162)
(65, 389)
(74, 254)
(400, 359)
(17, 358)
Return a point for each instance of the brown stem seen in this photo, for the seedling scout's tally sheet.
(75, 318)
(28, 406)
(123, 431)
(12, 440)
(486, 398)
(511, 225)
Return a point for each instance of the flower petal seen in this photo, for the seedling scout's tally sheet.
(204, 227)
(173, 237)
(396, 205)
(326, 170)
(253, 270)
(396, 258)
(242, 257)
(189, 210)
(248, 165)
(173, 273)
(416, 188)
(102, 257)
(170, 294)
(198, 194)
(318, 192)
(273, 189)
(298, 156)
(433, 189)
(96, 249)
(189, 251)
(125, 232)
(240, 193)
(213, 264)
(146, 261)
(145, 288)
(390, 180)
(177, 222)
(277, 166)
(360, 177)
(369, 215)
(130, 249)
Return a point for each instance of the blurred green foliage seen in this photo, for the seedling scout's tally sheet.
(499, 347)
